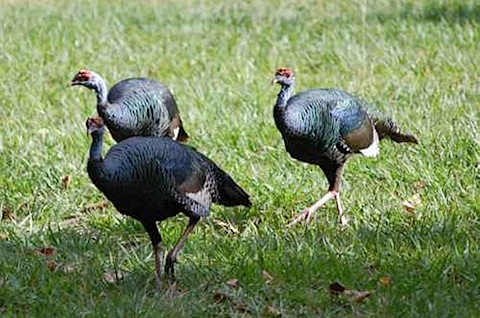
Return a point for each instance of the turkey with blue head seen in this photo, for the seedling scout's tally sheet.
(325, 127)
(154, 178)
(134, 107)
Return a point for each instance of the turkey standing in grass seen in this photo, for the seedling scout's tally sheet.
(153, 178)
(325, 127)
(135, 107)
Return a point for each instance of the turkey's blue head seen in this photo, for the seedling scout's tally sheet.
(87, 78)
(95, 125)
(284, 76)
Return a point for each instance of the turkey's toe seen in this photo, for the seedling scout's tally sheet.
(343, 222)
(305, 215)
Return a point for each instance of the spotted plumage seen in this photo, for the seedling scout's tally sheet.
(154, 178)
(325, 127)
(135, 107)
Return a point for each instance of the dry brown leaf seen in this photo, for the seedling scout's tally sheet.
(410, 204)
(51, 265)
(270, 311)
(3, 236)
(233, 282)
(357, 296)
(227, 226)
(385, 280)
(220, 298)
(240, 307)
(352, 295)
(45, 251)
(113, 276)
(66, 181)
(7, 214)
(336, 288)
(96, 206)
(421, 184)
(267, 276)
(3, 309)
(68, 268)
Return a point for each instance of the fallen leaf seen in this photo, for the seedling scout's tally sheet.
(68, 268)
(227, 226)
(7, 214)
(421, 184)
(113, 276)
(71, 222)
(96, 206)
(357, 296)
(232, 282)
(352, 295)
(51, 265)
(45, 251)
(220, 298)
(3, 309)
(66, 181)
(410, 204)
(270, 311)
(385, 280)
(267, 276)
(336, 288)
(240, 307)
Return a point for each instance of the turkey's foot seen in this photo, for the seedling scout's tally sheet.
(308, 212)
(305, 215)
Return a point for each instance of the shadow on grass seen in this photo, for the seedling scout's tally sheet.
(452, 13)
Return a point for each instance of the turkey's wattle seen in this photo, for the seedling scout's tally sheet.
(135, 107)
(326, 126)
(154, 178)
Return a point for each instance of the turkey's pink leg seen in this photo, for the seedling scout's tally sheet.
(172, 255)
(158, 252)
(341, 214)
(307, 213)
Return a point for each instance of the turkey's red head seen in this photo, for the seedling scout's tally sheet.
(82, 77)
(283, 76)
(94, 124)
(284, 71)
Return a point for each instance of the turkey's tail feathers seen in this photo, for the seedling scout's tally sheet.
(231, 194)
(386, 128)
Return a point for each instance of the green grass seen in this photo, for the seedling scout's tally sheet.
(415, 60)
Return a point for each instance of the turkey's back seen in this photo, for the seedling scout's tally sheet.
(314, 121)
(142, 107)
(156, 177)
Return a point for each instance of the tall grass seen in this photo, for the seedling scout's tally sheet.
(414, 60)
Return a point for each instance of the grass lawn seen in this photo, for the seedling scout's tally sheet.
(62, 254)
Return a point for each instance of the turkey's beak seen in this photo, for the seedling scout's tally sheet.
(73, 83)
(274, 81)
(90, 130)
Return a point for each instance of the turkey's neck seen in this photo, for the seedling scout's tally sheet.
(284, 95)
(101, 91)
(96, 148)
(280, 107)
